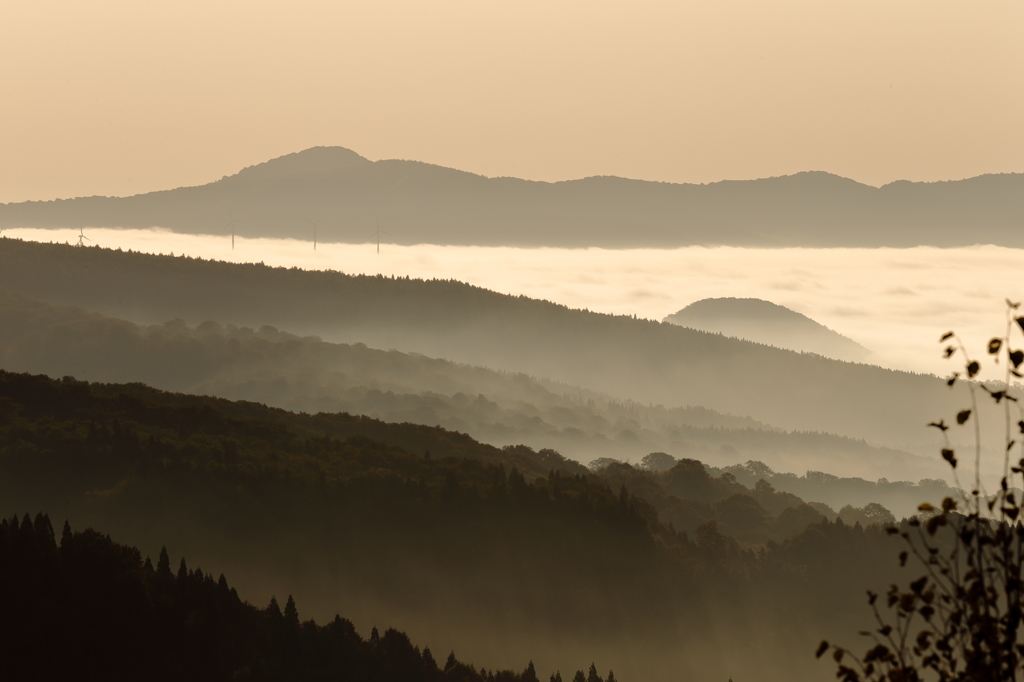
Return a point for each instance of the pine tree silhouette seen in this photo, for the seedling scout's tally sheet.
(163, 565)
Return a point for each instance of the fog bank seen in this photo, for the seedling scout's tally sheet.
(895, 302)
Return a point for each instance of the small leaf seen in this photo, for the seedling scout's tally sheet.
(1020, 321)
(1016, 357)
(903, 559)
(949, 335)
(822, 648)
(973, 368)
(947, 455)
(994, 345)
(952, 380)
(941, 425)
(949, 351)
(962, 416)
(1010, 304)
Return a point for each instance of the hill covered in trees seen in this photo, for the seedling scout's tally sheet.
(307, 374)
(641, 360)
(421, 203)
(83, 607)
(495, 552)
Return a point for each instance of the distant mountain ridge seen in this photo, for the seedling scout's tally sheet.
(765, 322)
(423, 203)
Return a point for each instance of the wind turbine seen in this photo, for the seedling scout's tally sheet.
(231, 224)
(377, 234)
(314, 223)
(81, 236)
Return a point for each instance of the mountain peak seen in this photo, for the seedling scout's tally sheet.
(312, 161)
(754, 319)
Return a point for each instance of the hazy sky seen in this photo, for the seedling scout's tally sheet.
(118, 97)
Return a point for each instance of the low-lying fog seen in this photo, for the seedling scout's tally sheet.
(895, 302)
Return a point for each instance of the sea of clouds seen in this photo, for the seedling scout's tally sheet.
(895, 302)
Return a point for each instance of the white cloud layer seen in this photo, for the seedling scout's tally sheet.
(896, 302)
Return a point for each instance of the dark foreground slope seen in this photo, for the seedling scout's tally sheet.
(420, 203)
(465, 552)
(86, 608)
(500, 408)
(647, 361)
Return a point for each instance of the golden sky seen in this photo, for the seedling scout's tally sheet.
(116, 97)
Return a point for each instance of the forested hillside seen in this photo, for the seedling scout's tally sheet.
(87, 608)
(506, 554)
(642, 360)
(500, 408)
(421, 203)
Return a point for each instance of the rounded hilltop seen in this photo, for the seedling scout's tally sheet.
(755, 319)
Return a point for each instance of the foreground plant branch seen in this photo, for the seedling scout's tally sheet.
(961, 619)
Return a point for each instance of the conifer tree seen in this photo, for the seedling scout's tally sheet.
(44, 532)
(291, 613)
(163, 565)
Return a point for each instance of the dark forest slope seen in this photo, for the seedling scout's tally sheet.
(469, 552)
(83, 607)
(642, 360)
(422, 203)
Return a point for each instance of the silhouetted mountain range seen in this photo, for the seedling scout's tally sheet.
(423, 203)
(765, 322)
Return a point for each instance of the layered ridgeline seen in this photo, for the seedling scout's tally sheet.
(505, 555)
(83, 607)
(421, 203)
(641, 360)
(765, 322)
(307, 374)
